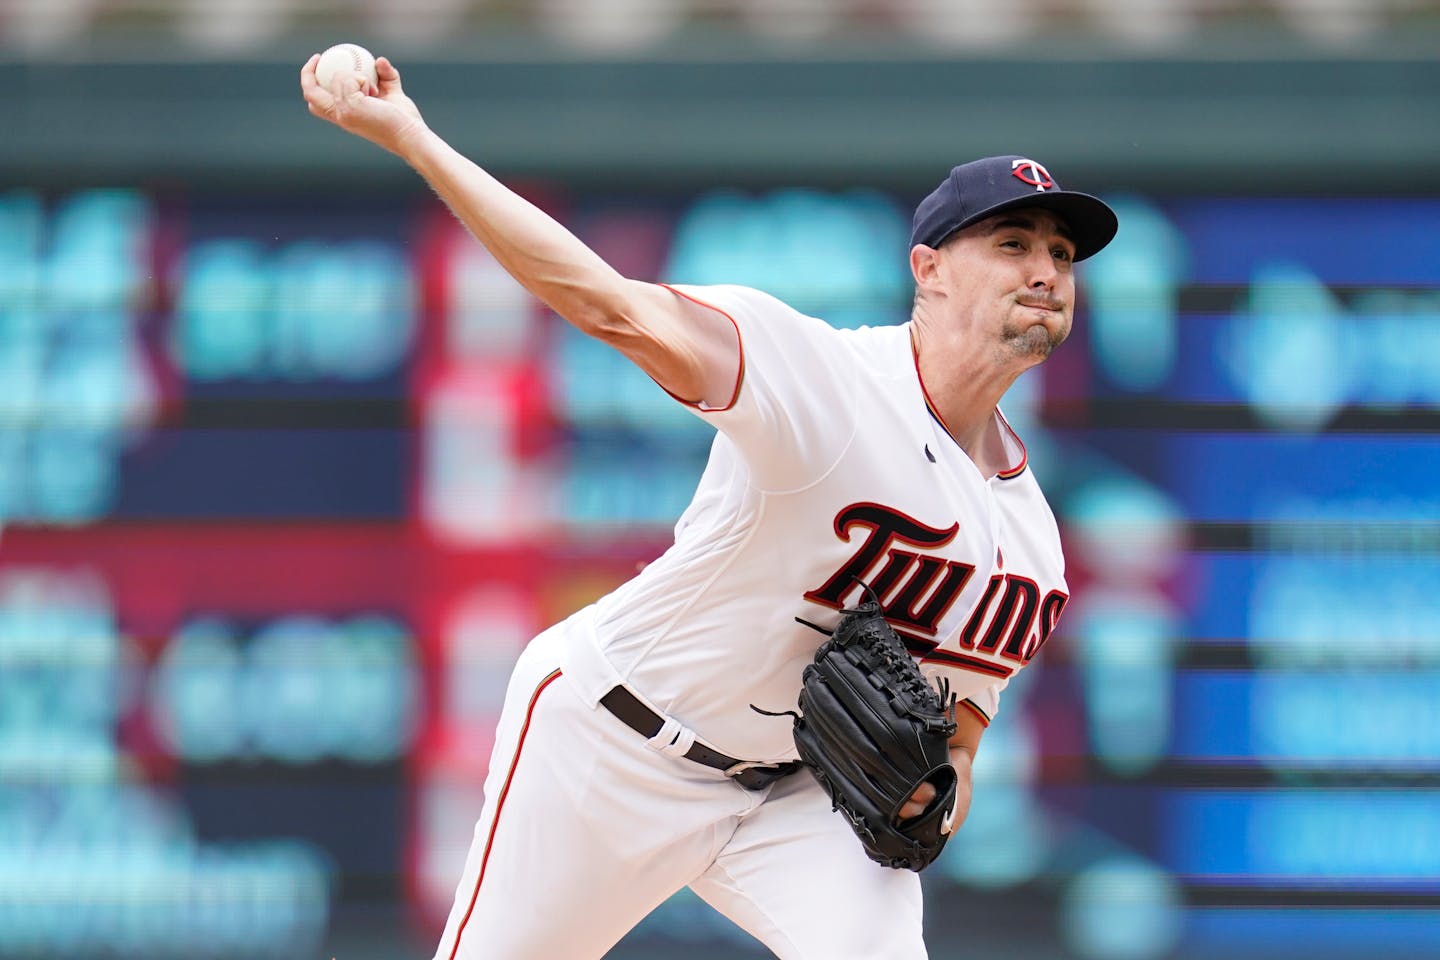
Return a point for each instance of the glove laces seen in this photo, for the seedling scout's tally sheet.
(915, 687)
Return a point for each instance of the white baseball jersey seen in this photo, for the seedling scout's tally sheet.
(830, 470)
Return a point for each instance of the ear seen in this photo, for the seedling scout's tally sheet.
(925, 266)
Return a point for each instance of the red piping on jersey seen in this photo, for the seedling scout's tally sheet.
(739, 339)
(1008, 473)
(984, 720)
(500, 806)
(1024, 454)
(951, 659)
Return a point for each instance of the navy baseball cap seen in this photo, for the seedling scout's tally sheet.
(983, 188)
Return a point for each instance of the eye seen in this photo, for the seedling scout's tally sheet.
(1062, 254)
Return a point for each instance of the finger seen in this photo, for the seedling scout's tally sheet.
(387, 76)
(315, 94)
(307, 72)
(346, 88)
(918, 802)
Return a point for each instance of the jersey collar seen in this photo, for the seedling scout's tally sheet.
(1008, 473)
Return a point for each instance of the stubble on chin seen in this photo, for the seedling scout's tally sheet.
(1032, 339)
(1035, 341)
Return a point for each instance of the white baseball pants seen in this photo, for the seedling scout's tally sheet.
(586, 829)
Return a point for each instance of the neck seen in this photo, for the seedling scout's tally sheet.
(964, 386)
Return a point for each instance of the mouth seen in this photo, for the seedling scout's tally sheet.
(1048, 304)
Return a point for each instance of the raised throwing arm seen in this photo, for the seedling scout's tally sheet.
(690, 351)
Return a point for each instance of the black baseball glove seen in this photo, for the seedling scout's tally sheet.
(872, 729)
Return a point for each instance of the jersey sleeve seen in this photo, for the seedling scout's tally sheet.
(978, 694)
(791, 415)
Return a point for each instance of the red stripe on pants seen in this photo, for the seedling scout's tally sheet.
(500, 806)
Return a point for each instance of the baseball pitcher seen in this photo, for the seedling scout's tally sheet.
(781, 711)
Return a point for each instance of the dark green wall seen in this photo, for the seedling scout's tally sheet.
(1332, 125)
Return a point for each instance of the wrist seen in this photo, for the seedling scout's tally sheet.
(414, 142)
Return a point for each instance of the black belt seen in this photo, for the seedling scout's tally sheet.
(646, 722)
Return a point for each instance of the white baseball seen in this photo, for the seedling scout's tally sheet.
(348, 58)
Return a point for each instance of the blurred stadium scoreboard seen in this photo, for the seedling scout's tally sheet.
(287, 481)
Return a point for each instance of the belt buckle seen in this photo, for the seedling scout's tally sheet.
(754, 775)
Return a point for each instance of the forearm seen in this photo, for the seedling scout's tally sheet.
(547, 259)
(960, 759)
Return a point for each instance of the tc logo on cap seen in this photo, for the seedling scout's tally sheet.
(1032, 173)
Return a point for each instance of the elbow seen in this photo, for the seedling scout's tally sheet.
(608, 323)
(608, 316)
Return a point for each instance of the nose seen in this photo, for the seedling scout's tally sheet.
(1043, 272)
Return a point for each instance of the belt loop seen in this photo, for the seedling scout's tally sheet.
(672, 740)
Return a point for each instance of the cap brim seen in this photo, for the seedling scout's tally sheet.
(1089, 220)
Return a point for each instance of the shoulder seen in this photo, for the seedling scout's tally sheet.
(891, 339)
(729, 297)
(763, 318)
